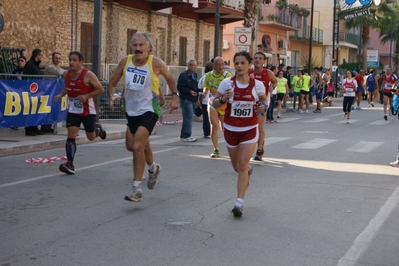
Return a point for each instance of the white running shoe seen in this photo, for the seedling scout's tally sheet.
(135, 195)
(189, 139)
(306, 111)
(153, 176)
(395, 163)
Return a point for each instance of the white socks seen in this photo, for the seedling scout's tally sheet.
(239, 202)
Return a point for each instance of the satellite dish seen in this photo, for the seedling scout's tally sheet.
(377, 2)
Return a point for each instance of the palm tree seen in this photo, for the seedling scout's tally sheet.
(389, 31)
(250, 18)
(369, 21)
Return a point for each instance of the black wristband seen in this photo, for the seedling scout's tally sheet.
(221, 100)
(174, 93)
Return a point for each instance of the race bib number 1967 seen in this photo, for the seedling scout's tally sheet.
(242, 109)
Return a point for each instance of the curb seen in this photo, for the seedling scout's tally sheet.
(55, 144)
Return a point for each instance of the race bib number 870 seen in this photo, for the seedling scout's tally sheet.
(242, 109)
(135, 78)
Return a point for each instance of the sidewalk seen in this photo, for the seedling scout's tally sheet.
(14, 142)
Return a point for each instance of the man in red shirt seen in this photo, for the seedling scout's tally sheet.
(360, 88)
(267, 77)
(81, 86)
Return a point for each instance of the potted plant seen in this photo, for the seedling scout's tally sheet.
(304, 12)
(281, 4)
(272, 17)
(293, 8)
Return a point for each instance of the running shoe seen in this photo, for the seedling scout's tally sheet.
(189, 139)
(215, 153)
(385, 117)
(259, 154)
(372, 104)
(395, 163)
(67, 168)
(153, 176)
(103, 133)
(237, 211)
(135, 195)
(278, 115)
(306, 111)
(301, 111)
(347, 121)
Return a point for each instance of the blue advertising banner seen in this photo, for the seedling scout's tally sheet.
(31, 102)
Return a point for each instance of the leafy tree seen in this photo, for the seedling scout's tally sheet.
(369, 21)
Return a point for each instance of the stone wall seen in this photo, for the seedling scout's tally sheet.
(55, 25)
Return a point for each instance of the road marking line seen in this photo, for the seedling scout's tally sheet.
(314, 144)
(317, 120)
(273, 140)
(365, 146)
(380, 122)
(363, 241)
(285, 120)
(80, 169)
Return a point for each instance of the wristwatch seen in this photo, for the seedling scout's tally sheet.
(174, 93)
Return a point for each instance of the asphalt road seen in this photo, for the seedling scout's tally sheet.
(324, 195)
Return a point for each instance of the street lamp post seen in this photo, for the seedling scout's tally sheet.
(311, 35)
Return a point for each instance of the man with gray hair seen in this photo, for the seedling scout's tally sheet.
(140, 73)
(187, 85)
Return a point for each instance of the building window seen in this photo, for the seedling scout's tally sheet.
(86, 41)
(183, 51)
(130, 33)
(207, 48)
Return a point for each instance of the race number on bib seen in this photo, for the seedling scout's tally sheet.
(135, 78)
(242, 109)
(75, 106)
(349, 90)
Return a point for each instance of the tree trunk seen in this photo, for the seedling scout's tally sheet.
(365, 39)
(250, 19)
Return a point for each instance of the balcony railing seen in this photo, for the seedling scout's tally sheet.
(235, 4)
(349, 37)
(280, 15)
(304, 33)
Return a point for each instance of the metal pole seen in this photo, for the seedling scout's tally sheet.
(311, 36)
(390, 51)
(98, 8)
(358, 46)
(335, 34)
(217, 22)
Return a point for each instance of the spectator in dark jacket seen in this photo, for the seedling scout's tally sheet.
(32, 68)
(20, 68)
(187, 85)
